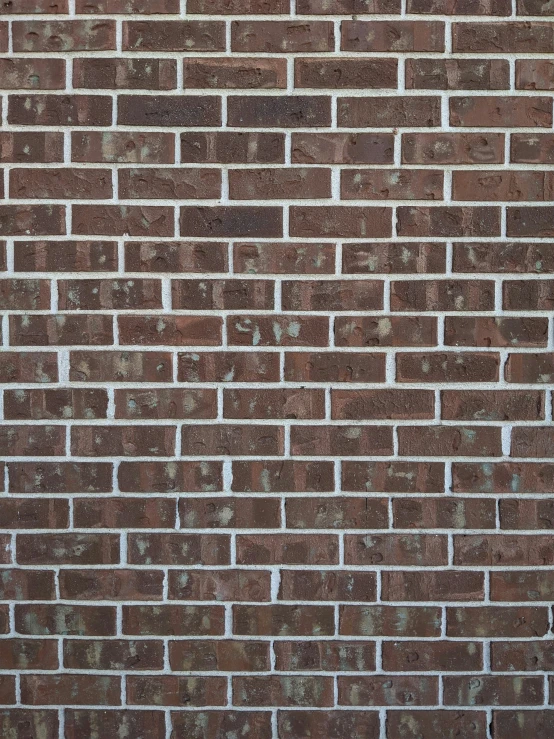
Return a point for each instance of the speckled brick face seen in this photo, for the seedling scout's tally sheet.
(276, 369)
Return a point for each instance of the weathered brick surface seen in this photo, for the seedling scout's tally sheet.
(276, 369)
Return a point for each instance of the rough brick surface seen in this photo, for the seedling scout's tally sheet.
(276, 369)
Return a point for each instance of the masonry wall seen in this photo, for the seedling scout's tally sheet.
(277, 364)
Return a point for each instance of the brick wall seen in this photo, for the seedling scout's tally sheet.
(276, 369)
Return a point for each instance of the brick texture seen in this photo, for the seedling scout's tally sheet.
(276, 369)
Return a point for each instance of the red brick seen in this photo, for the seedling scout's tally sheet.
(522, 586)
(63, 36)
(276, 258)
(289, 549)
(452, 148)
(280, 330)
(492, 405)
(109, 294)
(283, 476)
(391, 184)
(169, 620)
(277, 184)
(71, 689)
(176, 256)
(162, 477)
(176, 690)
(393, 477)
(505, 37)
(461, 7)
(382, 404)
(392, 36)
(236, 656)
(231, 221)
(60, 477)
(129, 441)
(447, 367)
(37, 513)
(503, 550)
(506, 723)
(17, 584)
(235, 73)
(493, 690)
(283, 620)
(414, 656)
(394, 111)
(395, 257)
(445, 441)
(32, 441)
(201, 724)
(325, 655)
(174, 35)
(130, 513)
(66, 256)
(68, 548)
(61, 330)
(127, 6)
(178, 549)
(345, 73)
(66, 620)
(445, 221)
(169, 184)
(525, 514)
(282, 36)
(222, 294)
(81, 722)
(533, 368)
(125, 74)
(326, 585)
(111, 585)
(60, 110)
(444, 513)
(457, 74)
(384, 690)
(435, 724)
(349, 222)
(144, 147)
(433, 586)
(112, 654)
(341, 440)
(170, 330)
(385, 331)
(276, 690)
(497, 621)
(43, 722)
(232, 147)
(389, 620)
(120, 220)
(120, 366)
(228, 367)
(530, 148)
(502, 477)
(396, 549)
(284, 111)
(332, 724)
(165, 403)
(486, 332)
(342, 148)
(29, 654)
(498, 185)
(32, 74)
(239, 7)
(507, 112)
(236, 585)
(169, 110)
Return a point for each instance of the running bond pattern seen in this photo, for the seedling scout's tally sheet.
(277, 358)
